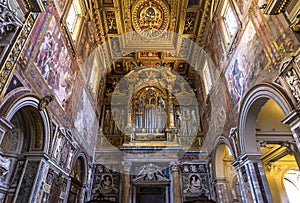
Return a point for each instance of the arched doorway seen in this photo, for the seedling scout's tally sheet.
(22, 150)
(275, 142)
(266, 145)
(226, 182)
(78, 180)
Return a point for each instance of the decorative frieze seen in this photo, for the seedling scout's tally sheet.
(289, 79)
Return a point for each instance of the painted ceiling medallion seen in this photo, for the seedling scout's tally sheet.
(150, 17)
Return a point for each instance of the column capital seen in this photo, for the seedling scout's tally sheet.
(174, 165)
(251, 156)
(126, 166)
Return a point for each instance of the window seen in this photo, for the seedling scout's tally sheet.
(230, 22)
(71, 18)
(229, 25)
(207, 78)
(74, 19)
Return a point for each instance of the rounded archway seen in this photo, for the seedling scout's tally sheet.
(250, 107)
(29, 134)
(266, 144)
(226, 182)
(78, 179)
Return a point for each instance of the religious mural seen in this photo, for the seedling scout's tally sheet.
(85, 120)
(51, 56)
(54, 62)
(243, 70)
(86, 43)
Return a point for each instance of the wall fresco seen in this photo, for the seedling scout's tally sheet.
(249, 59)
(53, 60)
(85, 120)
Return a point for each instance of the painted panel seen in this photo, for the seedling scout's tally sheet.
(86, 122)
(249, 59)
(53, 60)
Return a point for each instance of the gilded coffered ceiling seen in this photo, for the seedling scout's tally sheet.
(150, 32)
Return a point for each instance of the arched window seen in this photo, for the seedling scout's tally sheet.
(74, 18)
(207, 78)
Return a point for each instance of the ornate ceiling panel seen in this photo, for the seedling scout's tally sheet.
(150, 32)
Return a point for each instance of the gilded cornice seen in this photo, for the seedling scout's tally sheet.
(96, 18)
(276, 6)
(203, 23)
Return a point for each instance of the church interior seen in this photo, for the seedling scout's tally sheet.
(149, 101)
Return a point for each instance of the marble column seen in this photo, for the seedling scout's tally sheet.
(125, 197)
(221, 190)
(243, 182)
(177, 193)
(254, 177)
(33, 178)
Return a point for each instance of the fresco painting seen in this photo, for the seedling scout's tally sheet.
(60, 4)
(54, 62)
(85, 121)
(243, 70)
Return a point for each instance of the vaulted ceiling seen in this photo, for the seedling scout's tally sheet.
(150, 32)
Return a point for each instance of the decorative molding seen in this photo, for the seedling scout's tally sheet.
(4, 167)
(69, 39)
(45, 101)
(126, 166)
(150, 18)
(9, 23)
(174, 165)
(275, 6)
(150, 173)
(296, 24)
(14, 54)
(203, 25)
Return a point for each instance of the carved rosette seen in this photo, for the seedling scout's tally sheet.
(150, 18)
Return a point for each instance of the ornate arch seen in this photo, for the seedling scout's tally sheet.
(250, 107)
(81, 156)
(219, 147)
(11, 107)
